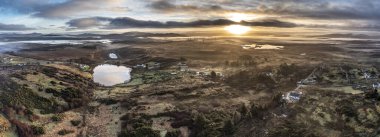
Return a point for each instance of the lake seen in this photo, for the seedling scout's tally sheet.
(110, 75)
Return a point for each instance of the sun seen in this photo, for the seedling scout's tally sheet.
(237, 29)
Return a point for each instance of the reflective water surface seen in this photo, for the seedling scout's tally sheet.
(109, 75)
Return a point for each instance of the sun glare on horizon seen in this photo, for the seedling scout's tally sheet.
(237, 17)
(237, 29)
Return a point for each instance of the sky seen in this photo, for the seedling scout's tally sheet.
(112, 15)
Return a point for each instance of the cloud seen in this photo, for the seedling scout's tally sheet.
(133, 23)
(13, 27)
(270, 23)
(323, 9)
(83, 23)
(314, 9)
(344, 35)
(308, 12)
(76, 7)
(127, 22)
(22, 6)
(167, 7)
(58, 9)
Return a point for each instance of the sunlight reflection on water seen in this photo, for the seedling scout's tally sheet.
(110, 75)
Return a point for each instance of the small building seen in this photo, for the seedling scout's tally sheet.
(6, 60)
(183, 67)
(84, 67)
(139, 66)
(269, 74)
(219, 74)
(367, 75)
(376, 85)
(356, 86)
(153, 65)
(292, 96)
(308, 81)
(202, 73)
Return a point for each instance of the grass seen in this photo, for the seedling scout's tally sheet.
(150, 77)
(44, 81)
(71, 70)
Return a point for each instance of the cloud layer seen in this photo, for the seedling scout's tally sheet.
(179, 13)
(315, 9)
(127, 22)
(59, 9)
(13, 27)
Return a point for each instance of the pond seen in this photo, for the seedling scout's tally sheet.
(110, 75)
(266, 46)
(112, 56)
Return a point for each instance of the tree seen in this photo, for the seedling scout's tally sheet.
(244, 110)
(213, 74)
(227, 63)
(175, 133)
(236, 117)
(204, 127)
(201, 122)
(182, 59)
(228, 128)
(254, 110)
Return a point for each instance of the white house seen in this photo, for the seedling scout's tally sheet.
(292, 96)
(376, 85)
(183, 67)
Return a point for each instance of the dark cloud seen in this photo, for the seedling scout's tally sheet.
(342, 12)
(126, 22)
(163, 5)
(168, 6)
(133, 23)
(344, 35)
(323, 9)
(83, 23)
(270, 23)
(13, 27)
(315, 9)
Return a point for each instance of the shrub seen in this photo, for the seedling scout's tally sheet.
(53, 82)
(140, 132)
(65, 132)
(213, 74)
(38, 130)
(228, 128)
(175, 133)
(57, 118)
(75, 122)
(29, 99)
